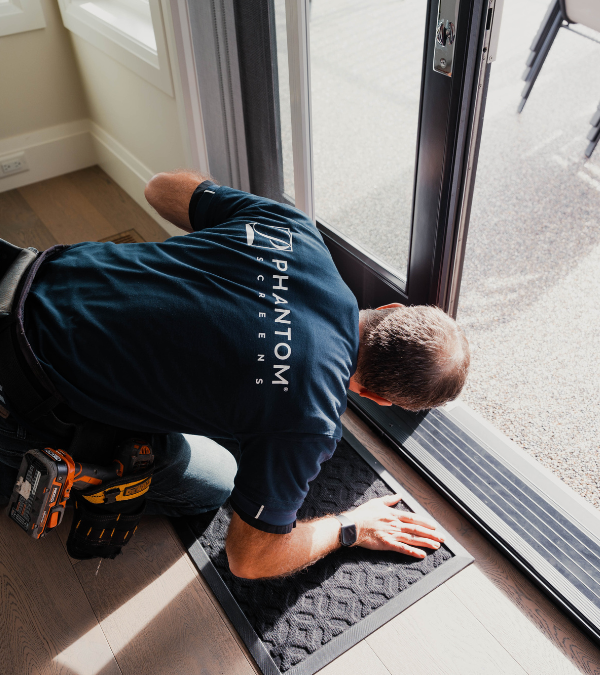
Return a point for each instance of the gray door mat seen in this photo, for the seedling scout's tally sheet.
(298, 624)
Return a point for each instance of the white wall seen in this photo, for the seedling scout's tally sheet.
(68, 105)
(134, 112)
(134, 125)
(39, 80)
(43, 106)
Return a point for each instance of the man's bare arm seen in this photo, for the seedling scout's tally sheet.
(254, 554)
(170, 193)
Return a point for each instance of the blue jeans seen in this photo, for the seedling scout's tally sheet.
(192, 474)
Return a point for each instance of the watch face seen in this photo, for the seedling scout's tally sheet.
(348, 535)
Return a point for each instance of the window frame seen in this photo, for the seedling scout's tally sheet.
(150, 64)
(21, 16)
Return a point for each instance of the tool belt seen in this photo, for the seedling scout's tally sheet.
(106, 516)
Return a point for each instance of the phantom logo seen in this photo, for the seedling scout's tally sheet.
(269, 236)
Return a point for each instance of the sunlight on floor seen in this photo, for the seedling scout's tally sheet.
(87, 655)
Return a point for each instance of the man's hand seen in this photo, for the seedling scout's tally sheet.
(382, 528)
(254, 554)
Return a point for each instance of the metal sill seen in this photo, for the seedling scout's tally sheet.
(541, 525)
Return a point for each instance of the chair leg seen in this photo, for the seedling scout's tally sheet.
(594, 133)
(540, 47)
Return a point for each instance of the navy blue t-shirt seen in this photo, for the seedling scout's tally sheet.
(241, 330)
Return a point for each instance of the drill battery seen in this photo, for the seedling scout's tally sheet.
(46, 478)
(40, 494)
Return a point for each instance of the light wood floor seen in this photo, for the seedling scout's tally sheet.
(85, 205)
(150, 612)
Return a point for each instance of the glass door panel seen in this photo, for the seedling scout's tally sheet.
(346, 117)
(366, 65)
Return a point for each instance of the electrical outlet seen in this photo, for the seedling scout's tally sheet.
(14, 164)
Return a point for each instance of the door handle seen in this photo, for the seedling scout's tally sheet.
(445, 37)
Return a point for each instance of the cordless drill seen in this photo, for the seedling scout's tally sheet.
(46, 478)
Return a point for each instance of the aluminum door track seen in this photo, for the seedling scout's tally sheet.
(560, 554)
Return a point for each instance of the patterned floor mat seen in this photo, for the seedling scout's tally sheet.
(297, 624)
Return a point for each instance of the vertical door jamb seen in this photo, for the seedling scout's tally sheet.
(297, 22)
(456, 247)
(187, 92)
(207, 56)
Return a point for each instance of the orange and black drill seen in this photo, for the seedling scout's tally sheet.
(46, 478)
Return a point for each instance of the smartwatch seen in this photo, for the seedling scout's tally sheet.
(348, 534)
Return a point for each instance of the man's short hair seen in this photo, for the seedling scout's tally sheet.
(416, 357)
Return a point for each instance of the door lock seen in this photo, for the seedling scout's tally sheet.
(446, 33)
(445, 36)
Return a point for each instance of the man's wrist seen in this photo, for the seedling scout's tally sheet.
(348, 534)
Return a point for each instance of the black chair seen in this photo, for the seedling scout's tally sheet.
(561, 14)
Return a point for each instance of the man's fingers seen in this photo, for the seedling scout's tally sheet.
(416, 541)
(413, 518)
(404, 548)
(390, 500)
(419, 531)
(408, 517)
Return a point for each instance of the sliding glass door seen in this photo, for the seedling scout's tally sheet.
(367, 116)
(363, 113)
(372, 136)
(366, 67)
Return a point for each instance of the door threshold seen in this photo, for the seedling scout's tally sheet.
(538, 522)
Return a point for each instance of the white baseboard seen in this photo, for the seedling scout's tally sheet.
(49, 152)
(69, 147)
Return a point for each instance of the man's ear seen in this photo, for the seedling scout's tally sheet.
(367, 393)
(391, 305)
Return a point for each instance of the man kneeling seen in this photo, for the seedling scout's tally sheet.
(243, 332)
